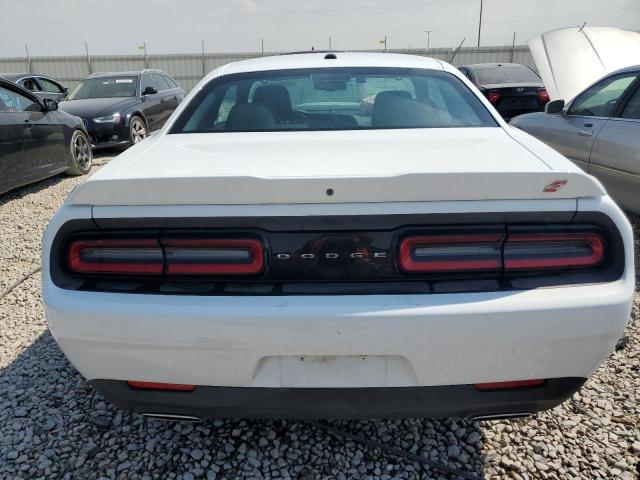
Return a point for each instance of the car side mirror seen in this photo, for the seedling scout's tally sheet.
(554, 107)
(49, 105)
(150, 91)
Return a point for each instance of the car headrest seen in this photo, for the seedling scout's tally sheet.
(249, 117)
(384, 104)
(276, 98)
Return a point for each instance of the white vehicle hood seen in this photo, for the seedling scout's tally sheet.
(571, 59)
(333, 167)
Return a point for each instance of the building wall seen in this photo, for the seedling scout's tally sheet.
(188, 69)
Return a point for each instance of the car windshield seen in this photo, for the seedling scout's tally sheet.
(333, 99)
(506, 74)
(105, 87)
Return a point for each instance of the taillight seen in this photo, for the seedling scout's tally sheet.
(492, 96)
(159, 256)
(543, 96)
(511, 385)
(497, 252)
(169, 387)
(553, 251)
(451, 253)
(116, 256)
(213, 257)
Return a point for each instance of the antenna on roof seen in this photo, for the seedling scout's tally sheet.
(583, 25)
(457, 50)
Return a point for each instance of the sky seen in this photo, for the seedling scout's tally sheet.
(170, 26)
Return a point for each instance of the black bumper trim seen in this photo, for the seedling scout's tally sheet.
(462, 401)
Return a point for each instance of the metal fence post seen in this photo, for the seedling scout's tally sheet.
(26, 47)
(86, 49)
(204, 68)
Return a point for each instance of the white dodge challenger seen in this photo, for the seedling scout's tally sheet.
(338, 235)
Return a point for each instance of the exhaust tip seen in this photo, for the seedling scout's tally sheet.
(170, 417)
(499, 416)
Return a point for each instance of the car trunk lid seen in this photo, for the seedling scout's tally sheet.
(330, 167)
(516, 99)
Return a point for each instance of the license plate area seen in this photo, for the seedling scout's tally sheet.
(342, 371)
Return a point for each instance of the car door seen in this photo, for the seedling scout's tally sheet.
(152, 106)
(51, 89)
(574, 131)
(45, 146)
(168, 97)
(615, 157)
(12, 139)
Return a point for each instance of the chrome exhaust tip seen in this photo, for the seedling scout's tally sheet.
(171, 417)
(499, 416)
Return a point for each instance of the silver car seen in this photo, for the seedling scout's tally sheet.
(599, 130)
(41, 86)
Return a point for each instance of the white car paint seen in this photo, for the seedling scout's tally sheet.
(251, 341)
(571, 59)
(360, 166)
(493, 336)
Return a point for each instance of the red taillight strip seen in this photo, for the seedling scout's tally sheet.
(511, 385)
(493, 97)
(531, 241)
(106, 256)
(491, 243)
(543, 96)
(213, 256)
(171, 387)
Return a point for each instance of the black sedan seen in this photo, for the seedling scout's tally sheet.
(513, 89)
(121, 109)
(40, 85)
(36, 140)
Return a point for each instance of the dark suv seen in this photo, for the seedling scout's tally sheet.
(121, 109)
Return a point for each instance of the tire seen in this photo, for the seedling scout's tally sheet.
(137, 130)
(81, 154)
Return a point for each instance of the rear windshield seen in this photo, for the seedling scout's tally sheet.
(105, 87)
(333, 99)
(506, 74)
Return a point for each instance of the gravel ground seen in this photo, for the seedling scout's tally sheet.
(53, 425)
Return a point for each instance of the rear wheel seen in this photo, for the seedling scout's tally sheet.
(81, 154)
(137, 130)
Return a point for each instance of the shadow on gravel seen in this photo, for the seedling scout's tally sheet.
(54, 425)
(21, 192)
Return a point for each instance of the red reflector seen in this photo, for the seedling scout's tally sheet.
(173, 387)
(512, 385)
(522, 252)
(214, 257)
(543, 96)
(116, 256)
(451, 253)
(493, 96)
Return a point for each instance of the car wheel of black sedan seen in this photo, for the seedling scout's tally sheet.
(81, 154)
(137, 130)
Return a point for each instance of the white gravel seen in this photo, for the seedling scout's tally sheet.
(53, 425)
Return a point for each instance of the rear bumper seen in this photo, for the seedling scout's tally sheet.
(462, 401)
(340, 341)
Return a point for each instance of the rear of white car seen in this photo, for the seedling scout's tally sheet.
(338, 272)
